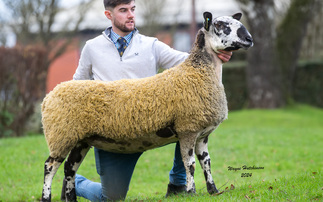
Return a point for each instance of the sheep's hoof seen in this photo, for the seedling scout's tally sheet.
(71, 196)
(45, 200)
(211, 188)
(191, 191)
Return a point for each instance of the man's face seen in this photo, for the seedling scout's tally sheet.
(122, 18)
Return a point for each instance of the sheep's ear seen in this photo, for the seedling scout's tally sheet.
(207, 20)
(200, 39)
(237, 16)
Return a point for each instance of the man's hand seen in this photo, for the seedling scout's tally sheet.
(225, 56)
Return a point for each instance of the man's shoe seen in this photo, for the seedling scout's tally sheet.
(174, 190)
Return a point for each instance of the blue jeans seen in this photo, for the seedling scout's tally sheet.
(115, 171)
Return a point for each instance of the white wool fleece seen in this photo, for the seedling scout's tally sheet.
(141, 59)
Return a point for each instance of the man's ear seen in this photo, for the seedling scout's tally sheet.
(207, 20)
(108, 14)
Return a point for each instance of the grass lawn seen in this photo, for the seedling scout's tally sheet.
(286, 144)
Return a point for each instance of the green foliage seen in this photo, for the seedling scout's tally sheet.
(287, 143)
(6, 118)
(308, 83)
(234, 81)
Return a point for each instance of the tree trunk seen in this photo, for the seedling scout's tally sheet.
(262, 72)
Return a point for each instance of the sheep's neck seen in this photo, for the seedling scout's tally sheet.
(210, 59)
(217, 63)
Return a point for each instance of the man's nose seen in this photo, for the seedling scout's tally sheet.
(131, 14)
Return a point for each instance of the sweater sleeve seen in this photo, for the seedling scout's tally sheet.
(84, 69)
(168, 57)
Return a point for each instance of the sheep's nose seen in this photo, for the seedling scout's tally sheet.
(249, 39)
(243, 34)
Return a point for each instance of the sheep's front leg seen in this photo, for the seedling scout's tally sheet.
(187, 144)
(205, 161)
(71, 165)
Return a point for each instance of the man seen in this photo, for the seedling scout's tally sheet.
(122, 53)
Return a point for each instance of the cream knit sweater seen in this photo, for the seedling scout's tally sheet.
(100, 59)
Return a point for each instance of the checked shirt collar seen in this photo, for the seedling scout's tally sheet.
(114, 37)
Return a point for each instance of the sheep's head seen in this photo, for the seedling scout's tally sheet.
(226, 33)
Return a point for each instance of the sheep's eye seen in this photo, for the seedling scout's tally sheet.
(224, 26)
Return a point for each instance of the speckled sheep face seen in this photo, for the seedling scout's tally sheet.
(227, 33)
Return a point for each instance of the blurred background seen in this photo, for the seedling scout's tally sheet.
(41, 41)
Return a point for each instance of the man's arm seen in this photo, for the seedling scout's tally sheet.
(169, 57)
(166, 56)
(84, 69)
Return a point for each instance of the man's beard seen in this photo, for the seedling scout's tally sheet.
(123, 27)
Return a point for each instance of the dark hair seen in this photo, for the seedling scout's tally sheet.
(114, 3)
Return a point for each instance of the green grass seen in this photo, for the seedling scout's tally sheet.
(288, 143)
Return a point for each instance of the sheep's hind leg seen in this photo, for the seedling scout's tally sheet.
(202, 154)
(187, 143)
(50, 169)
(71, 165)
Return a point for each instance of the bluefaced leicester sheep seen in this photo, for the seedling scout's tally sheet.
(136, 115)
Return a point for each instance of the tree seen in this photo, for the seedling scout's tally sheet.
(33, 22)
(21, 74)
(312, 48)
(288, 46)
(151, 12)
(263, 77)
(272, 60)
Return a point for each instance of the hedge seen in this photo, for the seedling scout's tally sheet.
(307, 84)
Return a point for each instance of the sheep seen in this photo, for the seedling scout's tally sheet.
(136, 115)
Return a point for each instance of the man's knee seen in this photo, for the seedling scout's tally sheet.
(115, 194)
